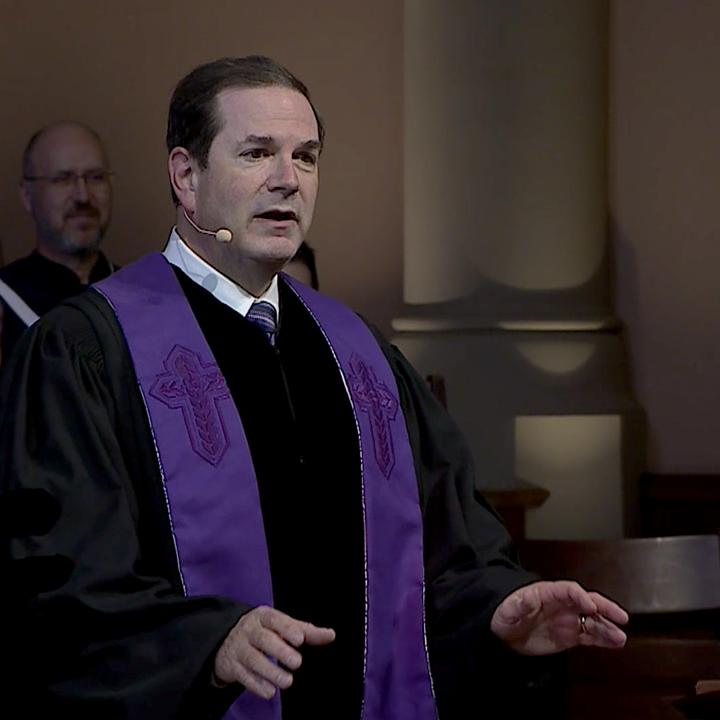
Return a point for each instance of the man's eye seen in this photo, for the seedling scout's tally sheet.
(255, 154)
(307, 158)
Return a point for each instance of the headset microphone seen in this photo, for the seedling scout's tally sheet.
(222, 235)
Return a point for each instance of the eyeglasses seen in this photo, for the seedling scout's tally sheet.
(93, 179)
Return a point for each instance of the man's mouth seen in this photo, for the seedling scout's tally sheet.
(83, 214)
(278, 215)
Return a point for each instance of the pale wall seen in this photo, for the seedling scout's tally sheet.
(665, 219)
(113, 64)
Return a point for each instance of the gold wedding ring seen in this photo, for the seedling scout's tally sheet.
(583, 620)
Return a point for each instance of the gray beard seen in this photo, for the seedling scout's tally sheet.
(67, 245)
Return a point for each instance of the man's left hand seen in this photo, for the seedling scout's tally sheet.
(547, 617)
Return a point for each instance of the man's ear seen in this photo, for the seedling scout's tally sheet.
(181, 168)
(25, 195)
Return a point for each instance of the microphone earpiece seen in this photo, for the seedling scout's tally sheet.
(222, 235)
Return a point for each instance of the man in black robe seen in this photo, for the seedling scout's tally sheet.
(303, 266)
(66, 189)
(125, 636)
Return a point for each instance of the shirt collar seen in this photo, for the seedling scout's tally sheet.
(183, 257)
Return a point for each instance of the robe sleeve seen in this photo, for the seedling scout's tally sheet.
(471, 565)
(11, 329)
(118, 639)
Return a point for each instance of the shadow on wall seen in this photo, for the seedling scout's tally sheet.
(624, 274)
(492, 301)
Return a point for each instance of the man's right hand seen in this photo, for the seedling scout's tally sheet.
(259, 637)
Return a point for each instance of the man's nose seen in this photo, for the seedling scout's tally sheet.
(80, 189)
(284, 175)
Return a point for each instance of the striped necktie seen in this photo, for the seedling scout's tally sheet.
(263, 315)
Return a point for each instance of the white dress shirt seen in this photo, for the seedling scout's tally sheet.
(182, 256)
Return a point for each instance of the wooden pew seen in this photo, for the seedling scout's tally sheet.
(671, 588)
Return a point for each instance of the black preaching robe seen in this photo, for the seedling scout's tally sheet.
(119, 639)
(42, 284)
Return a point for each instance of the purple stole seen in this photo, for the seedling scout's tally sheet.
(211, 490)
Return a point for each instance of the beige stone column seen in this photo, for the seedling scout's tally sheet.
(507, 279)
